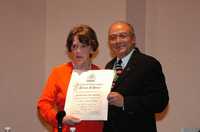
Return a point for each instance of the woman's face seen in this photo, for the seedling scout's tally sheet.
(80, 52)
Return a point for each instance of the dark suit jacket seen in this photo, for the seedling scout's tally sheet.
(143, 86)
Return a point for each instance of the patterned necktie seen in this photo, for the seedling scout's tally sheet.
(118, 68)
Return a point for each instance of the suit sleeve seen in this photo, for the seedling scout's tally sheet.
(154, 96)
(46, 103)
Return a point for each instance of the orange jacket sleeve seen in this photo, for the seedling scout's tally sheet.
(54, 93)
(46, 103)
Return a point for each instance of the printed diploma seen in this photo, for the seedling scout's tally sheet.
(87, 94)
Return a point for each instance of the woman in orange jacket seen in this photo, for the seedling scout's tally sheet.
(81, 44)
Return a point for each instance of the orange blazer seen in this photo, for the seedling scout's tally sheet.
(53, 99)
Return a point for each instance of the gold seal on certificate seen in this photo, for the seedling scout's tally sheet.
(87, 94)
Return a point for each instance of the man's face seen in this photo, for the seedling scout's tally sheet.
(121, 39)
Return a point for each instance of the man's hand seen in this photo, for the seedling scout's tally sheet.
(116, 99)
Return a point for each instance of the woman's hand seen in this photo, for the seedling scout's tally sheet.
(71, 120)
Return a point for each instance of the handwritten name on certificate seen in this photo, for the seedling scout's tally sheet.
(87, 94)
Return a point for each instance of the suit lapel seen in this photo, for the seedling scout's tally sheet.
(111, 64)
(130, 67)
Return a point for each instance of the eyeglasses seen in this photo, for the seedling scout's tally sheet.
(123, 35)
(80, 46)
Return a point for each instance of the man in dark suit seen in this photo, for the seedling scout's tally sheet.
(140, 90)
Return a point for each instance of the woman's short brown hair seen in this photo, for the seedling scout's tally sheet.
(85, 34)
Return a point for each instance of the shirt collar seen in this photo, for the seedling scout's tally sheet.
(126, 58)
